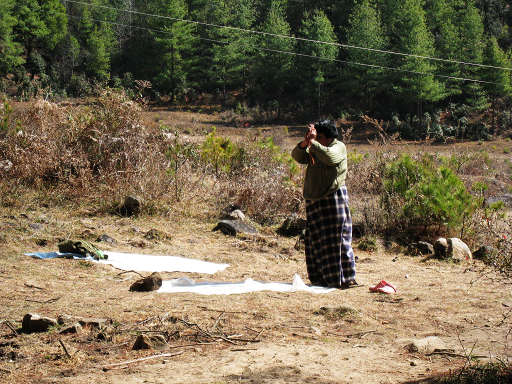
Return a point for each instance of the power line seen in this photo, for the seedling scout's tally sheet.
(293, 37)
(291, 53)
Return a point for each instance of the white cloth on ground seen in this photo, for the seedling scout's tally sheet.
(184, 284)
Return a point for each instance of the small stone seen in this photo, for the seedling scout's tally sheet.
(152, 282)
(149, 342)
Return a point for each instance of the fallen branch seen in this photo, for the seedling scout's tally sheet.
(32, 286)
(120, 273)
(108, 366)
(65, 349)
(44, 302)
(10, 326)
(358, 335)
(454, 354)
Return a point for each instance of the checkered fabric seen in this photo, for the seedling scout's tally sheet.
(328, 240)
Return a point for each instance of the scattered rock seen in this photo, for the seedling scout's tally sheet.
(36, 226)
(426, 345)
(441, 248)
(107, 239)
(156, 234)
(149, 342)
(233, 227)
(106, 334)
(232, 212)
(505, 198)
(420, 248)
(84, 322)
(34, 323)
(5, 165)
(292, 226)
(151, 283)
(358, 230)
(485, 253)
(131, 206)
(72, 328)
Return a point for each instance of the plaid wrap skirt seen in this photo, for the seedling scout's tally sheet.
(328, 240)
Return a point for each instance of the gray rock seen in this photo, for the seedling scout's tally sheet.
(292, 226)
(152, 282)
(107, 239)
(232, 212)
(36, 226)
(233, 227)
(34, 323)
(426, 345)
(131, 206)
(84, 322)
(420, 248)
(441, 248)
(485, 253)
(71, 328)
(506, 198)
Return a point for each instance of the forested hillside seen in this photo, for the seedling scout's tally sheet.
(389, 58)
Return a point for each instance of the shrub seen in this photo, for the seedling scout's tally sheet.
(424, 199)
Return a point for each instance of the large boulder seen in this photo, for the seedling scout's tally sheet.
(452, 249)
(458, 250)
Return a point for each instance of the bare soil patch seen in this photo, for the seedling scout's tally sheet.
(352, 336)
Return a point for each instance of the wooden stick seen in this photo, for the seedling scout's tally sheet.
(65, 349)
(11, 327)
(108, 366)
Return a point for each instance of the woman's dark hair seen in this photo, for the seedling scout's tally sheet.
(327, 127)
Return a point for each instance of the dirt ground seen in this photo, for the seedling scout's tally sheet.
(351, 336)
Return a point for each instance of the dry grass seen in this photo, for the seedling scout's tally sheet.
(344, 336)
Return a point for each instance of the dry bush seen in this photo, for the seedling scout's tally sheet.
(98, 153)
(74, 152)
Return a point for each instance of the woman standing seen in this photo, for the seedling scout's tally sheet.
(328, 238)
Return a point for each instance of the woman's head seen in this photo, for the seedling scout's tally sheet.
(327, 127)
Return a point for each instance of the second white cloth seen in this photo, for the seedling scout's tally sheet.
(184, 284)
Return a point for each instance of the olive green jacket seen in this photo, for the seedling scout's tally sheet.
(328, 172)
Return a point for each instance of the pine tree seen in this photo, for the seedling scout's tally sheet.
(317, 49)
(497, 75)
(172, 47)
(409, 35)
(272, 66)
(10, 56)
(365, 31)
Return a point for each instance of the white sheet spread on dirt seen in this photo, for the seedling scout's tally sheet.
(184, 284)
(148, 263)
(143, 263)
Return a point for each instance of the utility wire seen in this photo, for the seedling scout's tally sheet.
(292, 37)
(289, 52)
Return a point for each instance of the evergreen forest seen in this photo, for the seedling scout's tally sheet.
(399, 60)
